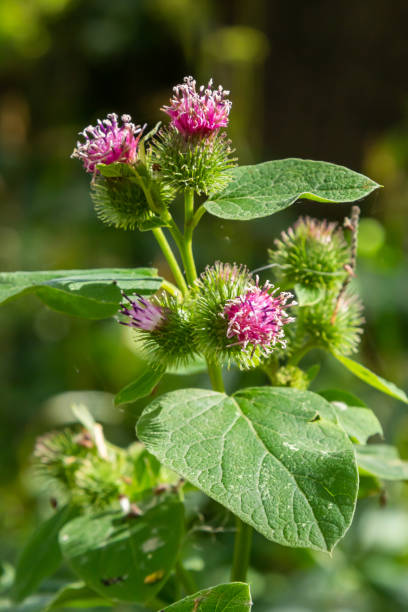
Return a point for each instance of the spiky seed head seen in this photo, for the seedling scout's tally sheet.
(195, 163)
(198, 113)
(340, 334)
(312, 252)
(108, 142)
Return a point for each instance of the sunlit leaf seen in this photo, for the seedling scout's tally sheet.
(264, 189)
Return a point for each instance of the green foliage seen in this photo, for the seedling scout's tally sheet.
(381, 460)
(41, 556)
(137, 555)
(194, 163)
(272, 456)
(372, 379)
(232, 597)
(141, 387)
(77, 595)
(359, 423)
(92, 294)
(264, 189)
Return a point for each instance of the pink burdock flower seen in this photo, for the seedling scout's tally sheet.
(256, 319)
(142, 313)
(108, 142)
(200, 112)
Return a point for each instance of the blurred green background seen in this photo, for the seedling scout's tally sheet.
(317, 80)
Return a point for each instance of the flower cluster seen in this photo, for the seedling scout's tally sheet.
(108, 142)
(198, 113)
(256, 319)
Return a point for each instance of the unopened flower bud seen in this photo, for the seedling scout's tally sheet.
(340, 333)
(163, 327)
(312, 253)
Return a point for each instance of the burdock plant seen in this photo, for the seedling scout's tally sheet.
(282, 459)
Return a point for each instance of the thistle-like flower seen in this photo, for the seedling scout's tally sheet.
(163, 328)
(312, 252)
(198, 113)
(236, 320)
(141, 313)
(107, 142)
(256, 319)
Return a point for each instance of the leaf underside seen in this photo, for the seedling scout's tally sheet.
(93, 294)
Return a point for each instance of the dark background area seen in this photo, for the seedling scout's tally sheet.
(317, 80)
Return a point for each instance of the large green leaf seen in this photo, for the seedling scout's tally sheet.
(93, 294)
(359, 422)
(41, 556)
(382, 460)
(232, 597)
(372, 379)
(264, 189)
(142, 386)
(125, 558)
(273, 456)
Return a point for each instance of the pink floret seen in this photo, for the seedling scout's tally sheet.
(200, 112)
(256, 319)
(107, 142)
(141, 313)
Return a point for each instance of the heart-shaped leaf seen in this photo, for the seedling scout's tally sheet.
(372, 379)
(125, 558)
(264, 189)
(273, 456)
(232, 597)
(92, 294)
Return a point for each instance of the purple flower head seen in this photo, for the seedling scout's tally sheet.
(108, 142)
(200, 112)
(257, 318)
(142, 313)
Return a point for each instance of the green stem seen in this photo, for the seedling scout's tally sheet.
(187, 243)
(197, 216)
(185, 579)
(171, 260)
(215, 374)
(243, 536)
(294, 360)
(242, 551)
(171, 289)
